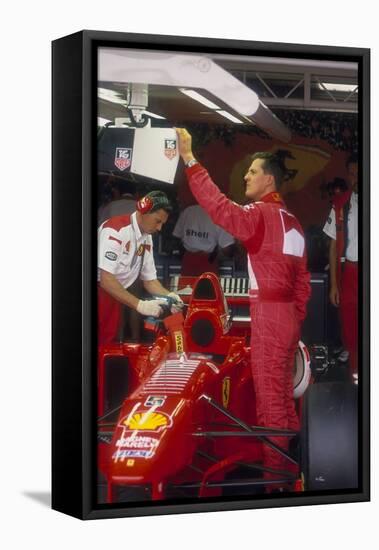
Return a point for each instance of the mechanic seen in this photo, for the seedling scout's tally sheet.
(125, 253)
(124, 197)
(342, 229)
(202, 240)
(279, 284)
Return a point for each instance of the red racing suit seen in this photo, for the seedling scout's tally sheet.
(279, 291)
(197, 263)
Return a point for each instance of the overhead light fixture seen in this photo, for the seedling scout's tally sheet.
(110, 95)
(115, 97)
(333, 87)
(229, 116)
(200, 98)
(204, 101)
(153, 115)
(189, 72)
(102, 121)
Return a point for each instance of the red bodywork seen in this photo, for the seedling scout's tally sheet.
(172, 428)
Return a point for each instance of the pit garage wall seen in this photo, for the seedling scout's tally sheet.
(315, 162)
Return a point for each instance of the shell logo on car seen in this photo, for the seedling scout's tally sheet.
(147, 420)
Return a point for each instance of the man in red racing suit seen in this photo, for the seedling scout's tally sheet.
(279, 285)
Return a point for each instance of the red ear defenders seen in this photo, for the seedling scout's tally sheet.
(145, 204)
(153, 201)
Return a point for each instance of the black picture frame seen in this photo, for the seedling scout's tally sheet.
(74, 264)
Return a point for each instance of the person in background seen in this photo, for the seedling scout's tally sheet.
(123, 201)
(342, 229)
(202, 240)
(279, 286)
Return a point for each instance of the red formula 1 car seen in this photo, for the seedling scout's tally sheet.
(186, 425)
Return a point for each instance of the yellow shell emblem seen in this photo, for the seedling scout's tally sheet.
(145, 421)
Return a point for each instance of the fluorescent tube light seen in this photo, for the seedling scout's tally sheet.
(204, 101)
(153, 115)
(115, 97)
(110, 95)
(200, 98)
(189, 72)
(230, 116)
(337, 87)
(102, 121)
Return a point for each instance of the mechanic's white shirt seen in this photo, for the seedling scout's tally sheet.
(352, 228)
(120, 250)
(198, 233)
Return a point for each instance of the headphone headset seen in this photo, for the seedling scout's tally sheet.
(153, 201)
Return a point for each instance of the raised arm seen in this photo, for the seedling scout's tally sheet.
(240, 221)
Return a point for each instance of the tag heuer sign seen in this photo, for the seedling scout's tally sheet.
(123, 158)
(170, 148)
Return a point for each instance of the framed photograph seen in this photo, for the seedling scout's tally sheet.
(211, 206)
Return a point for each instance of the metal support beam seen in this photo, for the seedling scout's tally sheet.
(316, 105)
(247, 428)
(237, 483)
(265, 85)
(294, 88)
(255, 433)
(307, 89)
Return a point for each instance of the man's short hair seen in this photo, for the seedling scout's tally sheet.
(160, 202)
(273, 165)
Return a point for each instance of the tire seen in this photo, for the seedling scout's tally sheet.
(302, 370)
(329, 437)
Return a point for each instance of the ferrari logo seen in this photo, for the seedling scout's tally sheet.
(141, 248)
(130, 462)
(225, 392)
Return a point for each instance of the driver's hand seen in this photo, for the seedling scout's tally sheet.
(150, 308)
(178, 306)
(184, 144)
(334, 296)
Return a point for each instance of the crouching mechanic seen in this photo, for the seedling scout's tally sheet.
(125, 253)
(279, 285)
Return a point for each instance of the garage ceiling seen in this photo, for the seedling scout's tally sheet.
(280, 83)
